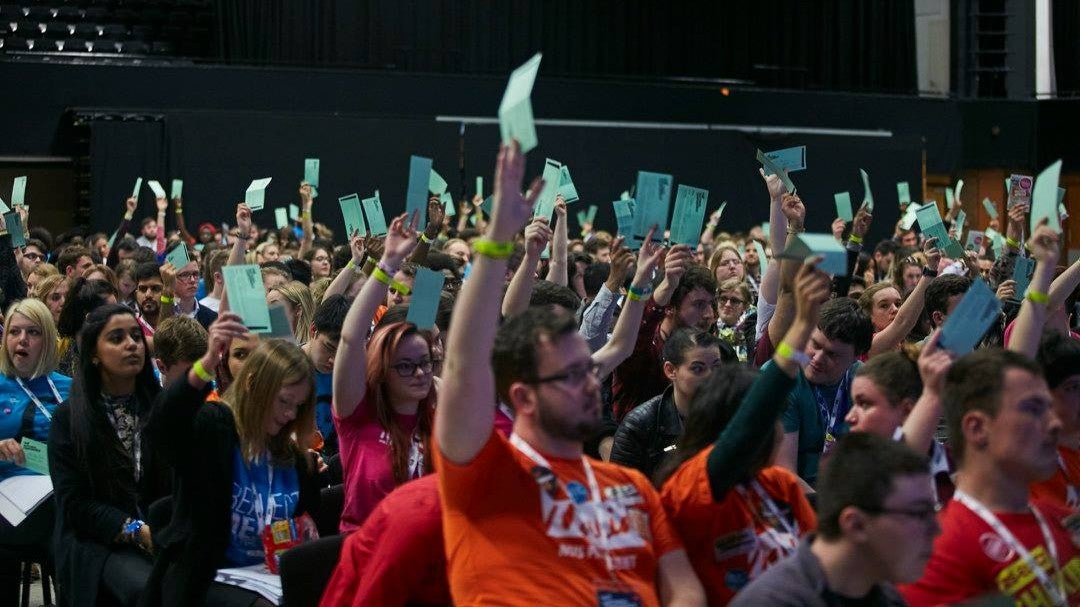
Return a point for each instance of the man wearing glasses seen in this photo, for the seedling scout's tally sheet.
(178, 295)
(33, 254)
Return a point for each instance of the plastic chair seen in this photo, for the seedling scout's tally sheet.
(306, 570)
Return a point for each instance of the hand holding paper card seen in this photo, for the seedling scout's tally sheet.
(689, 215)
(932, 227)
(178, 257)
(375, 218)
(566, 186)
(652, 204)
(956, 195)
(255, 197)
(424, 303)
(480, 187)
(772, 169)
(138, 186)
(1044, 198)
(18, 191)
(281, 217)
(4, 207)
(1023, 268)
(485, 206)
(903, 193)
(311, 175)
(868, 196)
(177, 188)
(789, 159)
(949, 199)
(967, 324)
(515, 110)
(436, 184)
(417, 195)
(991, 210)
(805, 246)
(1019, 190)
(910, 216)
(448, 204)
(592, 213)
(545, 202)
(843, 206)
(247, 296)
(624, 217)
(155, 186)
(36, 454)
(354, 218)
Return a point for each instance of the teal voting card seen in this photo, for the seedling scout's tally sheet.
(311, 175)
(515, 109)
(545, 201)
(281, 217)
(15, 227)
(689, 215)
(376, 219)
(967, 324)
(651, 205)
(18, 191)
(255, 196)
(991, 210)
(843, 206)
(903, 193)
(1044, 198)
(177, 188)
(1023, 268)
(138, 186)
(156, 188)
(247, 296)
(788, 159)
(417, 195)
(424, 303)
(868, 196)
(36, 454)
(771, 168)
(566, 186)
(436, 184)
(624, 218)
(178, 257)
(351, 213)
(804, 246)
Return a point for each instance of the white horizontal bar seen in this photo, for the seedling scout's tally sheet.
(682, 126)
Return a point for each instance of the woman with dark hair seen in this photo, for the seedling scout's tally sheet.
(105, 474)
(737, 514)
(649, 432)
(84, 297)
(384, 422)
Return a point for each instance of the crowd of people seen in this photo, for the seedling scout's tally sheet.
(586, 423)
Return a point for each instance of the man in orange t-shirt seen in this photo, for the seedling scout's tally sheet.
(530, 520)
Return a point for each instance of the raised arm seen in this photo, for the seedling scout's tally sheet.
(708, 233)
(11, 278)
(770, 277)
(596, 320)
(435, 216)
(625, 335)
(516, 300)
(167, 308)
(178, 202)
(121, 231)
(340, 284)
(891, 336)
(162, 207)
(1027, 333)
(466, 413)
(795, 213)
(307, 236)
(350, 363)
(1064, 285)
(922, 422)
(243, 226)
(557, 271)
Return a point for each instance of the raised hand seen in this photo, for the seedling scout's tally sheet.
(934, 363)
(537, 236)
(220, 334)
(793, 208)
(649, 257)
(401, 239)
(812, 288)
(12, 451)
(375, 247)
(1006, 290)
(357, 248)
(511, 208)
(436, 214)
(305, 196)
(838, 228)
(774, 184)
(622, 260)
(560, 207)
(168, 277)
(933, 253)
(861, 224)
(1045, 244)
(1017, 220)
(130, 205)
(243, 220)
(162, 205)
(678, 259)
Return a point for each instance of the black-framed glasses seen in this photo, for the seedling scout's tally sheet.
(188, 276)
(574, 376)
(34, 256)
(407, 368)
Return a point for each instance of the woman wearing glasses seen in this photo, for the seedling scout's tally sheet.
(384, 422)
(737, 318)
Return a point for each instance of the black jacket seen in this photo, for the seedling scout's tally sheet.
(646, 433)
(200, 439)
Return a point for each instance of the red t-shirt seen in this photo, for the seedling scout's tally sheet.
(970, 560)
(732, 542)
(365, 458)
(515, 538)
(396, 557)
(1064, 487)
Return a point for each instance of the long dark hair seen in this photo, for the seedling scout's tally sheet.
(89, 425)
(83, 297)
(711, 411)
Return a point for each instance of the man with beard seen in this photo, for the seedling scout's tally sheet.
(148, 290)
(530, 520)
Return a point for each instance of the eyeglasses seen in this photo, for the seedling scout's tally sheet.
(189, 276)
(573, 377)
(34, 256)
(735, 301)
(407, 368)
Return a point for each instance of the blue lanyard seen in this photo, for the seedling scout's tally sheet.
(829, 418)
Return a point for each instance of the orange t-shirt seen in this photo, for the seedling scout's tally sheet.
(1064, 487)
(514, 536)
(732, 542)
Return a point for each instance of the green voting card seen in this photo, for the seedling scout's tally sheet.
(545, 202)
(448, 204)
(4, 207)
(932, 227)
(689, 215)
(763, 259)
(14, 224)
(591, 215)
(112, 239)
(155, 187)
(178, 257)
(868, 196)
(247, 296)
(910, 216)
(311, 175)
(956, 194)
(281, 217)
(788, 159)
(480, 186)
(486, 206)
(138, 186)
(255, 196)
(651, 206)
(515, 109)
(1044, 203)
(805, 246)
(961, 219)
(436, 184)
(903, 193)
(177, 188)
(37, 455)
(566, 186)
(416, 196)
(967, 324)
(354, 218)
(843, 206)
(294, 212)
(720, 213)
(625, 195)
(376, 220)
(18, 191)
(772, 169)
(424, 303)
(279, 324)
(975, 240)
(997, 241)
(949, 199)
(1023, 268)
(991, 210)
(624, 218)
(581, 218)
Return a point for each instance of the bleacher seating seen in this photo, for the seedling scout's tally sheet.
(125, 27)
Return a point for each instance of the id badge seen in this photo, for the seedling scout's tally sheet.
(277, 537)
(613, 594)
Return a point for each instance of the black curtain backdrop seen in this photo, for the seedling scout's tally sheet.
(361, 154)
(839, 44)
(1066, 20)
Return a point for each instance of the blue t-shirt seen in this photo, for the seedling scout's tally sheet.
(251, 492)
(324, 414)
(19, 416)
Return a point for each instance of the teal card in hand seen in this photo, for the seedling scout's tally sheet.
(448, 204)
(178, 257)
(581, 218)
(294, 212)
(155, 187)
(949, 198)
(436, 184)
(651, 206)
(1044, 202)
(416, 196)
(909, 217)
(279, 324)
(376, 220)
(991, 210)
(763, 259)
(868, 196)
(255, 196)
(772, 169)
(354, 218)
(843, 206)
(956, 194)
(486, 206)
(932, 227)
(177, 188)
(967, 324)
(281, 217)
(689, 215)
(112, 239)
(515, 109)
(591, 214)
(961, 219)
(789, 159)
(624, 218)
(138, 186)
(311, 175)
(37, 455)
(4, 209)
(566, 186)
(247, 296)
(424, 303)
(545, 202)
(18, 191)
(903, 193)
(15, 228)
(805, 246)
(1023, 268)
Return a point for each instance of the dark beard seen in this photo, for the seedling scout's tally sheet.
(556, 427)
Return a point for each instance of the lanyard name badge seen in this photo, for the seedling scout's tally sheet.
(829, 417)
(281, 535)
(34, 398)
(1056, 587)
(787, 546)
(609, 593)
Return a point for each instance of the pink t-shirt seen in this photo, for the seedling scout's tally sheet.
(365, 459)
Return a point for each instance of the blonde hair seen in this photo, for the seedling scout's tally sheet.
(297, 294)
(39, 314)
(43, 289)
(110, 276)
(253, 395)
(319, 287)
(44, 270)
(718, 254)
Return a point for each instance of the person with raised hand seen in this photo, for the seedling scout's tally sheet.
(384, 391)
(1024, 335)
(596, 319)
(241, 464)
(893, 320)
(500, 496)
(537, 236)
(307, 227)
(794, 211)
(769, 280)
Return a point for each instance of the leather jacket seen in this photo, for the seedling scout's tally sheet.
(648, 434)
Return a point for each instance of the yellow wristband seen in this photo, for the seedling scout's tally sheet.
(784, 350)
(492, 249)
(1012, 242)
(854, 239)
(380, 275)
(632, 296)
(400, 287)
(424, 238)
(1038, 297)
(167, 300)
(201, 372)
